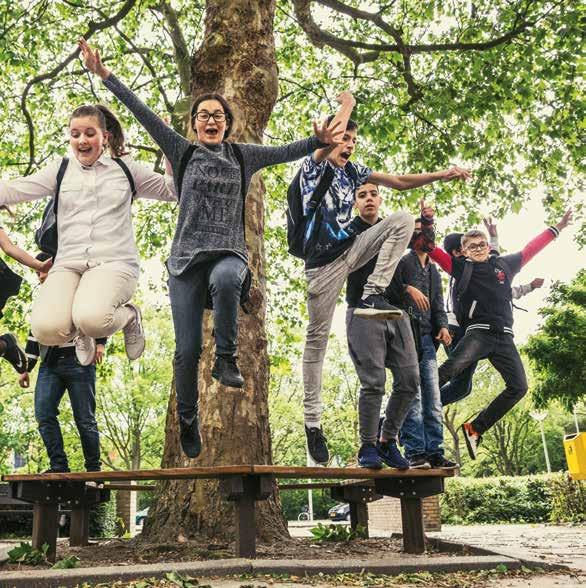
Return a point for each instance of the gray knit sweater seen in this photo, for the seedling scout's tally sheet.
(209, 223)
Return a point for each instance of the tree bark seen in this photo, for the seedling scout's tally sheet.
(236, 59)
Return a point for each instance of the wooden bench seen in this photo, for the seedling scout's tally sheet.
(242, 484)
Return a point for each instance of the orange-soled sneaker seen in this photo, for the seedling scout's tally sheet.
(472, 439)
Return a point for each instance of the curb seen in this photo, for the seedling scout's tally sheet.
(70, 578)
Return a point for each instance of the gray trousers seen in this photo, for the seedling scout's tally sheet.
(373, 346)
(388, 239)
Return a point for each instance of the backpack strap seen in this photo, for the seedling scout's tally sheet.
(60, 175)
(464, 281)
(128, 175)
(183, 166)
(322, 187)
(351, 170)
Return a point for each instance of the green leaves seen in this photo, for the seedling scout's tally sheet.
(337, 532)
(27, 555)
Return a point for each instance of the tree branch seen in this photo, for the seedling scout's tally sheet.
(179, 46)
(93, 28)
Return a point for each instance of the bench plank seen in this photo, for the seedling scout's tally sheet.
(346, 473)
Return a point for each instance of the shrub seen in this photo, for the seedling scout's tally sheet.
(523, 499)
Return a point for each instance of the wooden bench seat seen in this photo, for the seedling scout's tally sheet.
(243, 484)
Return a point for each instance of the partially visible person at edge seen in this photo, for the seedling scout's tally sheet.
(335, 247)
(461, 386)
(87, 292)
(373, 347)
(10, 350)
(208, 253)
(487, 304)
(417, 288)
(61, 371)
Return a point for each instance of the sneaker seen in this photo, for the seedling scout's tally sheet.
(472, 439)
(57, 471)
(134, 340)
(390, 454)
(316, 445)
(189, 437)
(368, 457)
(419, 462)
(85, 349)
(13, 354)
(438, 461)
(226, 371)
(376, 306)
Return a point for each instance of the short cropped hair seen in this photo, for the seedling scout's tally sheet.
(351, 126)
(473, 235)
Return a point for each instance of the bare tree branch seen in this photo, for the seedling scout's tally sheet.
(93, 28)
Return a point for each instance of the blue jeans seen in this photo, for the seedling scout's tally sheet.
(461, 385)
(65, 373)
(223, 279)
(422, 432)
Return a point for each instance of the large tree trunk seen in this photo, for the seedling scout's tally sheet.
(236, 59)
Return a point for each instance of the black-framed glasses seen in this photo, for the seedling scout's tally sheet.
(477, 246)
(204, 116)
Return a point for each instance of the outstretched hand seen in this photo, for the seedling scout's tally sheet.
(456, 173)
(566, 220)
(92, 59)
(328, 135)
(537, 283)
(490, 227)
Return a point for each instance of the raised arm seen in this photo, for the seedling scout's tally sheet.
(340, 121)
(524, 289)
(409, 181)
(171, 143)
(543, 239)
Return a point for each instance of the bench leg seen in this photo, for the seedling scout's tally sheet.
(412, 519)
(45, 525)
(359, 515)
(80, 526)
(246, 520)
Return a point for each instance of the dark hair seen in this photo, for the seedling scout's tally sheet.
(5, 208)
(108, 122)
(43, 256)
(351, 126)
(419, 219)
(227, 110)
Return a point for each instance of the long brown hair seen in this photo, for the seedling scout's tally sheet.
(108, 122)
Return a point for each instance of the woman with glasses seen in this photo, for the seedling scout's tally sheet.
(208, 254)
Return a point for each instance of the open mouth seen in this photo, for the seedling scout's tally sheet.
(345, 155)
(211, 132)
(84, 150)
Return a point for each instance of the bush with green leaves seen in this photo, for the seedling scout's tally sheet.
(337, 532)
(523, 499)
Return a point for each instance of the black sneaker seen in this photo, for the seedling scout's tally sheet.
(390, 454)
(368, 457)
(419, 462)
(13, 354)
(438, 461)
(376, 306)
(226, 371)
(189, 437)
(316, 445)
(57, 471)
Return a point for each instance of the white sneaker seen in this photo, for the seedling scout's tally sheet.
(134, 340)
(85, 349)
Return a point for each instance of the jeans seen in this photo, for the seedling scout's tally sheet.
(223, 278)
(500, 350)
(373, 346)
(422, 432)
(387, 239)
(65, 373)
(460, 386)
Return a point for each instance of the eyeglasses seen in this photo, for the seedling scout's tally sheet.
(204, 116)
(477, 246)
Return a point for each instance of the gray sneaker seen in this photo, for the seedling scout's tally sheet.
(85, 349)
(134, 334)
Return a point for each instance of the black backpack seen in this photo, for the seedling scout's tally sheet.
(296, 220)
(46, 236)
(245, 293)
(458, 289)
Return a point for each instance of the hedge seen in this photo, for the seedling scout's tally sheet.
(554, 498)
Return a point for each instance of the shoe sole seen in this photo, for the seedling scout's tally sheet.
(423, 466)
(381, 315)
(371, 466)
(471, 451)
(20, 351)
(393, 466)
(88, 361)
(134, 356)
(224, 383)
